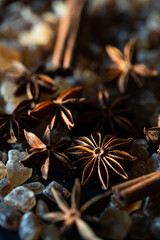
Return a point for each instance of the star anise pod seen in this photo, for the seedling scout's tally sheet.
(96, 157)
(124, 67)
(76, 215)
(153, 136)
(46, 153)
(58, 109)
(30, 82)
(13, 123)
(108, 117)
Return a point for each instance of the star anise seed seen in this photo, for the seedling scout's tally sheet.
(76, 215)
(11, 124)
(46, 153)
(124, 67)
(96, 157)
(59, 108)
(108, 117)
(30, 82)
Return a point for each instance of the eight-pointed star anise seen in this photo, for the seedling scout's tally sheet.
(98, 157)
(76, 215)
(58, 109)
(108, 117)
(124, 67)
(30, 82)
(17, 120)
(46, 153)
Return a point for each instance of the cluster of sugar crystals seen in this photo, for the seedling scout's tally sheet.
(13, 174)
(16, 173)
(11, 177)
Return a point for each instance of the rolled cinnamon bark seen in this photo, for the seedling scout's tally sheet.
(67, 35)
(137, 189)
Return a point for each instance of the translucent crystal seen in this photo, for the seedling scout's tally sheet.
(35, 187)
(47, 191)
(155, 228)
(153, 162)
(116, 224)
(139, 148)
(50, 232)
(9, 217)
(140, 227)
(16, 173)
(41, 208)
(59, 8)
(3, 170)
(21, 199)
(7, 91)
(30, 228)
(5, 187)
(15, 155)
(28, 38)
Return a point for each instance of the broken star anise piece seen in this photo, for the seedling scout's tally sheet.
(12, 124)
(76, 215)
(97, 157)
(124, 67)
(153, 136)
(58, 109)
(30, 82)
(108, 117)
(46, 153)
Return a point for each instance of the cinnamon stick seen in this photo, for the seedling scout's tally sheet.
(67, 35)
(137, 189)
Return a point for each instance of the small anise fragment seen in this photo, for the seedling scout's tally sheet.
(12, 124)
(30, 82)
(76, 215)
(108, 117)
(46, 153)
(123, 67)
(153, 136)
(58, 109)
(97, 157)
